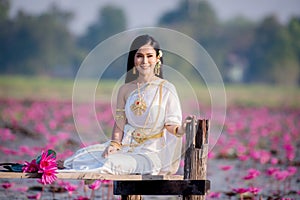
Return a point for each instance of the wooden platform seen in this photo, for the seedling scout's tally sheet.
(92, 176)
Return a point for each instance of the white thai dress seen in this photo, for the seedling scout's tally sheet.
(147, 147)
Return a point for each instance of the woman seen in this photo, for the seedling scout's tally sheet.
(148, 121)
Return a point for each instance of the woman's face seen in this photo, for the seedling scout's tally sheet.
(145, 60)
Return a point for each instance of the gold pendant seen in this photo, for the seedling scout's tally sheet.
(139, 106)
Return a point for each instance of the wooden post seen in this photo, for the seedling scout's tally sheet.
(195, 161)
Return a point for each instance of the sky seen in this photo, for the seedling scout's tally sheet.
(143, 13)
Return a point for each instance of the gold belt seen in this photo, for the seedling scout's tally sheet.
(140, 136)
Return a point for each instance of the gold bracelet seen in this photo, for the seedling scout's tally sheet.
(116, 144)
(118, 117)
(175, 130)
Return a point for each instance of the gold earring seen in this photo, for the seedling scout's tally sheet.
(158, 64)
(134, 70)
(157, 67)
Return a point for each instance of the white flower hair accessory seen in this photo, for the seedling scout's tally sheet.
(160, 54)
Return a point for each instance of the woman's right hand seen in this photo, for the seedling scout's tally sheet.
(109, 150)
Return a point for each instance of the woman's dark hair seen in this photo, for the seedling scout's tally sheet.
(136, 44)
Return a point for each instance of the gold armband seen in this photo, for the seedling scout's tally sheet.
(121, 115)
(116, 144)
(118, 117)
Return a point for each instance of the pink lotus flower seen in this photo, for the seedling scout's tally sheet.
(30, 167)
(255, 154)
(81, 198)
(292, 170)
(46, 165)
(7, 185)
(35, 196)
(21, 189)
(70, 188)
(48, 176)
(52, 124)
(225, 167)
(274, 161)
(211, 155)
(6, 135)
(47, 161)
(265, 156)
(240, 190)
(95, 185)
(8, 151)
(106, 181)
(252, 173)
(281, 175)
(290, 151)
(254, 190)
(272, 170)
(26, 150)
(243, 157)
(214, 195)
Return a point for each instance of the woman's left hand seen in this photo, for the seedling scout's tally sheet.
(182, 129)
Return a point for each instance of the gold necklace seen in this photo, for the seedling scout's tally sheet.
(139, 106)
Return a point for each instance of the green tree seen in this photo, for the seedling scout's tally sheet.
(6, 29)
(18, 45)
(55, 43)
(38, 44)
(4, 9)
(111, 20)
(294, 30)
(194, 18)
(198, 20)
(236, 37)
(271, 57)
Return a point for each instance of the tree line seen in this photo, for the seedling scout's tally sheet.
(244, 51)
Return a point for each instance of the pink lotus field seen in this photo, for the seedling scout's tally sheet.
(256, 157)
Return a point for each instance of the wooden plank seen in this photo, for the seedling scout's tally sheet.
(19, 175)
(162, 187)
(92, 176)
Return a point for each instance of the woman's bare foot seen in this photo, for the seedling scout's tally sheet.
(60, 164)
